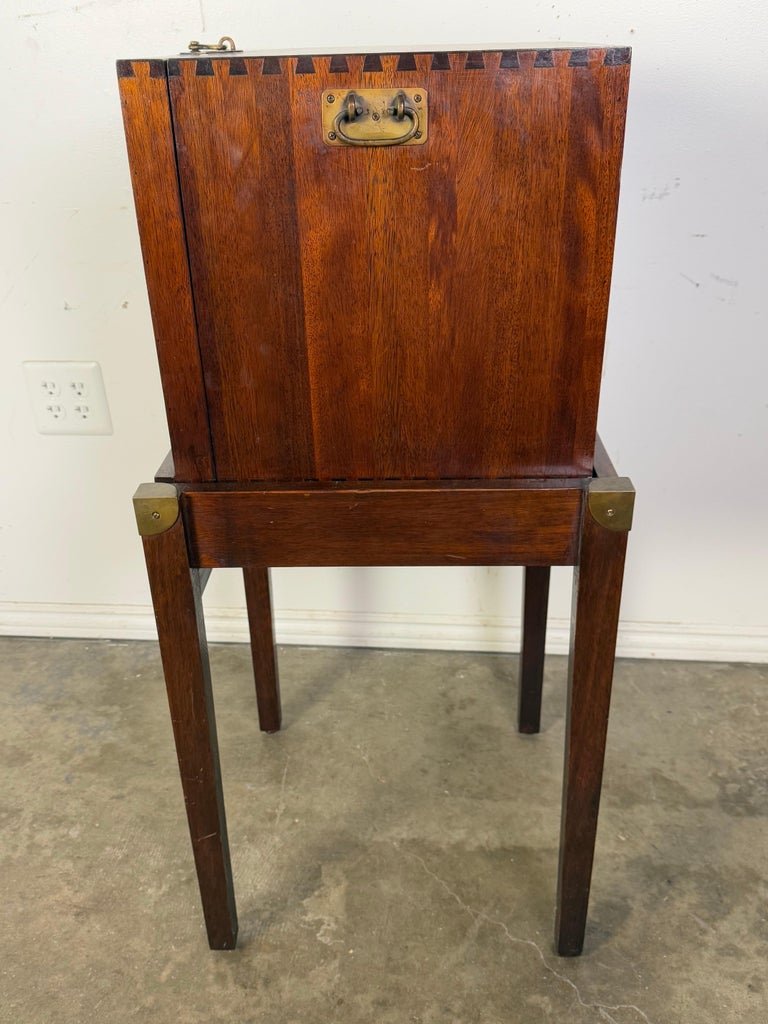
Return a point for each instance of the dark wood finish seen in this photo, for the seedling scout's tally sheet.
(597, 595)
(602, 461)
(381, 357)
(258, 599)
(468, 526)
(152, 158)
(166, 471)
(244, 242)
(534, 632)
(402, 312)
(176, 596)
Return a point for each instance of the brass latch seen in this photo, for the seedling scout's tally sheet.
(197, 47)
(375, 117)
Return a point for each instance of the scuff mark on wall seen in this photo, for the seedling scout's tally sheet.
(649, 194)
(75, 9)
(725, 280)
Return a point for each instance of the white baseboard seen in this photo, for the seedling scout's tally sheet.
(684, 642)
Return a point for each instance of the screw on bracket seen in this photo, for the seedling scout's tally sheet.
(611, 501)
(156, 507)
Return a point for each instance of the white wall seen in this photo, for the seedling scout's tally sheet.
(685, 396)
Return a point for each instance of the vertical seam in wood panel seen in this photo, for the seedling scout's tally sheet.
(562, 265)
(290, 86)
(583, 511)
(214, 472)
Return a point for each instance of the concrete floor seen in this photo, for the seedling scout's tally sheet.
(394, 847)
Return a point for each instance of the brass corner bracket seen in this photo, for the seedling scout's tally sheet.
(156, 507)
(611, 502)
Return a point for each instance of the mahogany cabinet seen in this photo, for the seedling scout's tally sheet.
(379, 286)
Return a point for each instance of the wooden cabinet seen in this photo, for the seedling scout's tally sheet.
(379, 286)
(388, 312)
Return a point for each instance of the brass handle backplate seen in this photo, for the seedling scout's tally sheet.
(375, 117)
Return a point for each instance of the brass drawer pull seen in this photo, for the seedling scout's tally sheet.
(400, 110)
(367, 117)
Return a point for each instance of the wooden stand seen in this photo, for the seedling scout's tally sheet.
(381, 355)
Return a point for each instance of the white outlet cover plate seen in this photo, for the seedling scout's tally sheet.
(68, 397)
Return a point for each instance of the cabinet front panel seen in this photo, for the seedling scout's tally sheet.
(430, 310)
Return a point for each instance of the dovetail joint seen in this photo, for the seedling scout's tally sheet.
(156, 507)
(611, 502)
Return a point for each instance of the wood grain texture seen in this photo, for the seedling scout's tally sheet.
(258, 600)
(392, 356)
(236, 170)
(151, 155)
(463, 526)
(603, 466)
(435, 311)
(177, 599)
(597, 596)
(534, 634)
(166, 471)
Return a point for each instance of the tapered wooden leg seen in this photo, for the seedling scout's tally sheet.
(531, 674)
(176, 595)
(258, 599)
(597, 595)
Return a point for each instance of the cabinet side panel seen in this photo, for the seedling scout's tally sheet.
(599, 103)
(235, 157)
(151, 155)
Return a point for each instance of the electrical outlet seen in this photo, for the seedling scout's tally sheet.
(68, 398)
